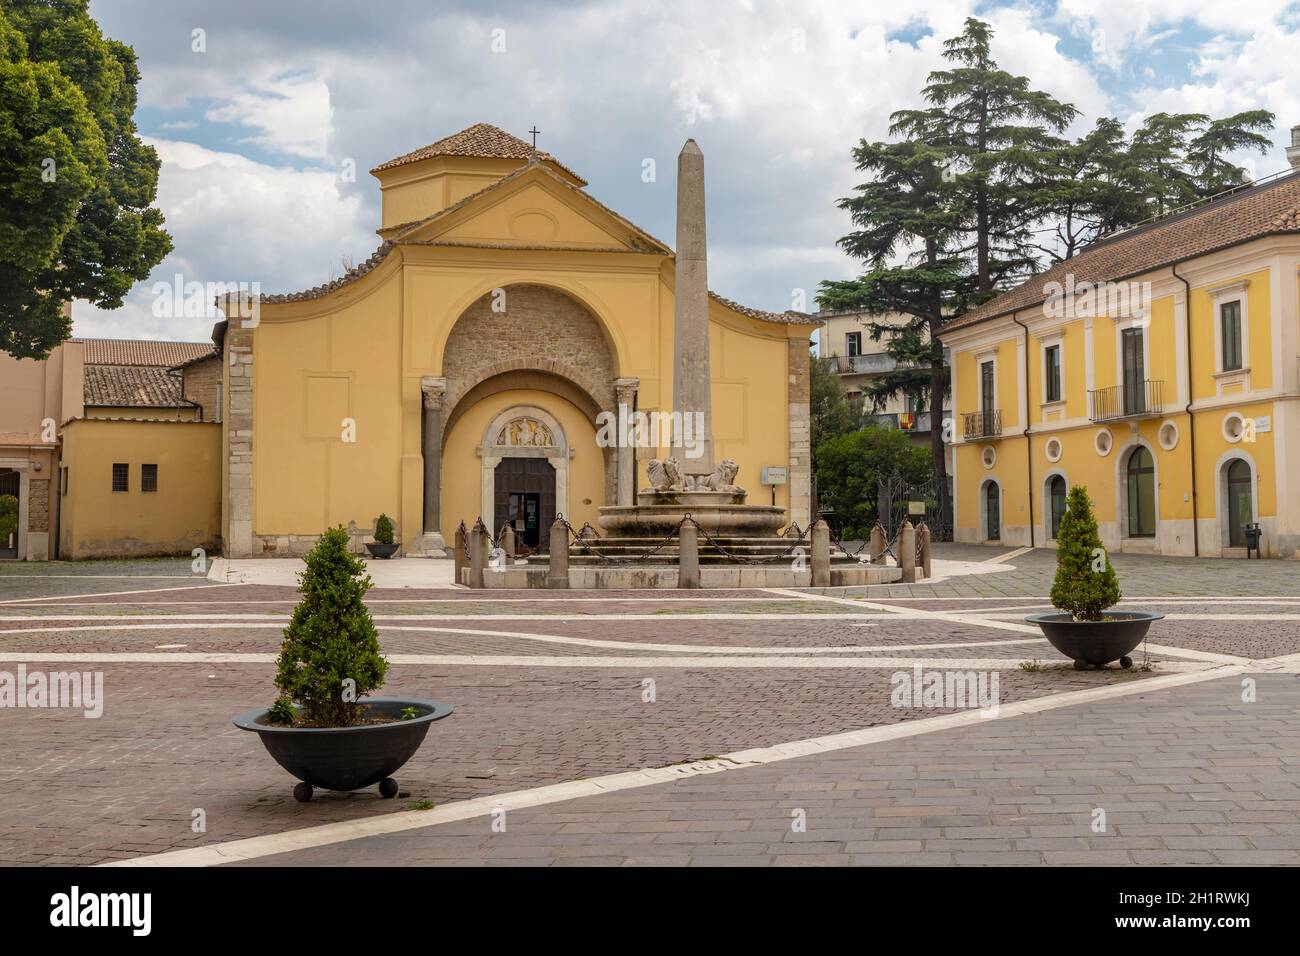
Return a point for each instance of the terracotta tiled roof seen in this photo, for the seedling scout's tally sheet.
(789, 317)
(141, 386)
(482, 140)
(1253, 213)
(352, 275)
(141, 352)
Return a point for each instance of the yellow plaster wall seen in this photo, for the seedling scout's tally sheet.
(184, 513)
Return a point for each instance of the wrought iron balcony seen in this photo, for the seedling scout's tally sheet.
(981, 425)
(1145, 399)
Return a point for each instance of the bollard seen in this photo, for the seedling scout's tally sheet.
(925, 551)
(688, 555)
(458, 554)
(507, 540)
(907, 551)
(877, 547)
(478, 553)
(821, 554)
(557, 571)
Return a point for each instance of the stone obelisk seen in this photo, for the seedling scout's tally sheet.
(691, 391)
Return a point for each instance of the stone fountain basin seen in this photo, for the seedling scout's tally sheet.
(714, 516)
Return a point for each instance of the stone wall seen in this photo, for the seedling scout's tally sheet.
(238, 358)
(200, 384)
(539, 329)
(38, 505)
(800, 434)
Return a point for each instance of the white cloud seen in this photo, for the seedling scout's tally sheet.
(236, 220)
(292, 113)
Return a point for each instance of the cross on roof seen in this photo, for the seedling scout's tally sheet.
(534, 131)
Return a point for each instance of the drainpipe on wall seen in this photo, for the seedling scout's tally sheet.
(1029, 447)
(1191, 425)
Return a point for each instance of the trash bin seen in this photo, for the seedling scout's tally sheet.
(1253, 533)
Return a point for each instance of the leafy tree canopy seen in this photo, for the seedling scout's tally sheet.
(76, 182)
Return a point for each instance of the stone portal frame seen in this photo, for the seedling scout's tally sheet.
(23, 467)
(558, 454)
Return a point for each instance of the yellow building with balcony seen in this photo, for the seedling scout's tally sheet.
(1160, 368)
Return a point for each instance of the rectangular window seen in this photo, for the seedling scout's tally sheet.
(148, 477)
(1230, 324)
(1052, 372)
(853, 344)
(121, 477)
(987, 399)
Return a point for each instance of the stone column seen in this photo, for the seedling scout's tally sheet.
(688, 556)
(557, 569)
(691, 388)
(432, 390)
(907, 552)
(625, 394)
(821, 554)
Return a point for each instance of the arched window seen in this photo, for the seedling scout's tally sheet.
(1141, 494)
(992, 511)
(1241, 490)
(1056, 492)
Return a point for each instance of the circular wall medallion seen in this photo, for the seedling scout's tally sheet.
(1169, 436)
(989, 456)
(1103, 441)
(1234, 426)
(1054, 449)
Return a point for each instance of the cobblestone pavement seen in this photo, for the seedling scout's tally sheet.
(554, 687)
(1185, 776)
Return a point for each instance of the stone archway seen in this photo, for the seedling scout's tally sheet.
(529, 327)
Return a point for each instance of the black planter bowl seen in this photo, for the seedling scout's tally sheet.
(347, 758)
(385, 551)
(1096, 643)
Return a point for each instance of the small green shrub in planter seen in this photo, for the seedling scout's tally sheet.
(1085, 582)
(330, 638)
(383, 529)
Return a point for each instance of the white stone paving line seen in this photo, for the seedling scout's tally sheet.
(707, 616)
(59, 597)
(252, 848)
(684, 661)
(1000, 558)
(253, 623)
(960, 617)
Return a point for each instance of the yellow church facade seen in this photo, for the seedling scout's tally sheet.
(467, 368)
(1160, 369)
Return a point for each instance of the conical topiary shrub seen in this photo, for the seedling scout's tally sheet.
(1085, 582)
(330, 654)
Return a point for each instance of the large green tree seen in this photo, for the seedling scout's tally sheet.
(908, 209)
(998, 135)
(76, 183)
(831, 412)
(849, 468)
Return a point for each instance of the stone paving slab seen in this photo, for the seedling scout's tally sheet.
(84, 791)
(1190, 775)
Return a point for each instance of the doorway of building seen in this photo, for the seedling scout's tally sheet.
(1241, 507)
(525, 499)
(1141, 494)
(10, 484)
(992, 512)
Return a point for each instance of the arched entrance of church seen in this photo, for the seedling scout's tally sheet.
(525, 499)
(525, 457)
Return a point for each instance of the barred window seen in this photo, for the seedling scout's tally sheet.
(121, 477)
(148, 477)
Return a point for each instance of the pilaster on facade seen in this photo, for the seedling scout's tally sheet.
(239, 449)
(800, 476)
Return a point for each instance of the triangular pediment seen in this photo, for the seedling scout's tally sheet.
(533, 208)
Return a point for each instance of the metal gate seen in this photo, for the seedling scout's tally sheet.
(897, 499)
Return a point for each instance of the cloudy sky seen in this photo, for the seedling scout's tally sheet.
(254, 131)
